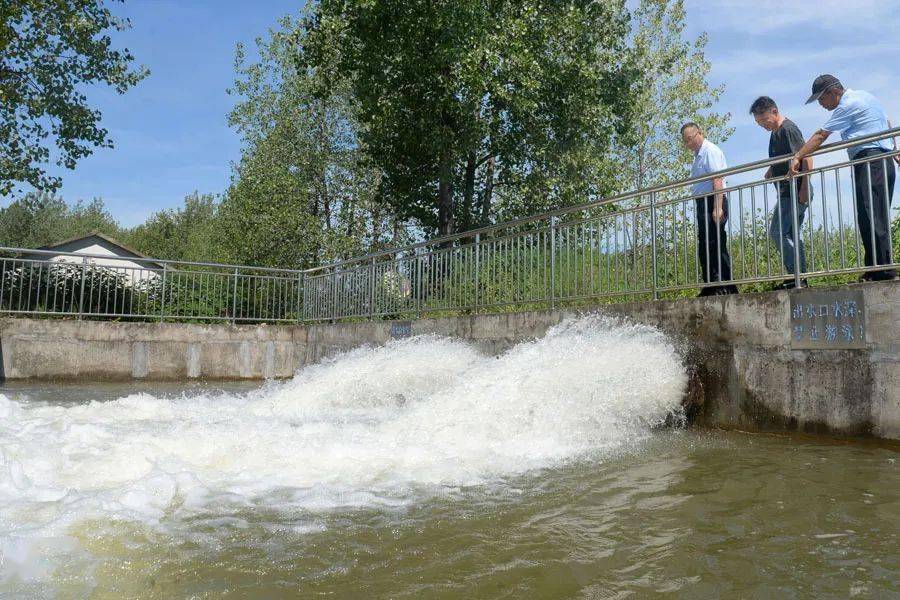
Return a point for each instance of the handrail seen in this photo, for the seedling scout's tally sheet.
(751, 166)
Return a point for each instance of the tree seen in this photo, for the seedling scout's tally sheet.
(188, 233)
(48, 52)
(304, 191)
(467, 100)
(672, 90)
(39, 219)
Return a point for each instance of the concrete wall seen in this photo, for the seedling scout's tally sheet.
(737, 348)
(97, 350)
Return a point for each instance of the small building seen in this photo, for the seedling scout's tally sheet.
(130, 263)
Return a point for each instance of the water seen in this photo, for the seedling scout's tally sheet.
(424, 469)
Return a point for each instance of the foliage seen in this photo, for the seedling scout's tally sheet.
(304, 191)
(187, 233)
(461, 101)
(49, 52)
(38, 219)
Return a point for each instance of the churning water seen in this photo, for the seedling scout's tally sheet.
(420, 468)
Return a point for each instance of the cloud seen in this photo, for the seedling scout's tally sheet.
(794, 60)
(765, 16)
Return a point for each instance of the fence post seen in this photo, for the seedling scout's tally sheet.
(477, 269)
(234, 299)
(653, 243)
(301, 295)
(372, 289)
(334, 296)
(81, 289)
(162, 298)
(552, 262)
(795, 226)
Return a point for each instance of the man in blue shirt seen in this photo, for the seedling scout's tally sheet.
(857, 114)
(711, 210)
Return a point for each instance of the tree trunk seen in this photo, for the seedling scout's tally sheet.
(469, 191)
(446, 223)
(488, 193)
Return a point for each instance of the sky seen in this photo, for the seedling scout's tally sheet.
(172, 138)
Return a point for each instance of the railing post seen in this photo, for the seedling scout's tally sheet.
(301, 295)
(81, 289)
(553, 262)
(795, 226)
(334, 296)
(653, 244)
(234, 298)
(477, 269)
(162, 297)
(372, 289)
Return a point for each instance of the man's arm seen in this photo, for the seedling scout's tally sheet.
(813, 144)
(718, 208)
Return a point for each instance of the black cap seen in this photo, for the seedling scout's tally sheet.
(822, 83)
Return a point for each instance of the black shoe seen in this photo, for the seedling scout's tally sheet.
(789, 284)
(878, 276)
(726, 290)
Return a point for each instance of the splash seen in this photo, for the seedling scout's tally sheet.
(372, 426)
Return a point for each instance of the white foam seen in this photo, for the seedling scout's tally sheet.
(372, 426)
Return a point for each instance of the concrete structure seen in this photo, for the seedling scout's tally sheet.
(738, 350)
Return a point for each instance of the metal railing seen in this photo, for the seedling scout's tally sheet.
(642, 244)
(46, 282)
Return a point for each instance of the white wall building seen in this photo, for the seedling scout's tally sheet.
(123, 260)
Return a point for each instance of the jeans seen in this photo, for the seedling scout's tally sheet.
(873, 207)
(781, 231)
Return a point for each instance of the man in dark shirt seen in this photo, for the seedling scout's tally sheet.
(786, 140)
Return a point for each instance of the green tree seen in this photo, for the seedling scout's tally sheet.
(49, 52)
(304, 192)
(186, 233)
(468, 103)
(40, 219)
(672, 90)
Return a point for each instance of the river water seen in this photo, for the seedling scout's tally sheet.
(426, 470)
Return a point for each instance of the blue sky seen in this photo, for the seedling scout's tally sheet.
(171, 136)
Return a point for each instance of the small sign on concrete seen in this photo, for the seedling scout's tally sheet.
(827, 320)
(401, 329)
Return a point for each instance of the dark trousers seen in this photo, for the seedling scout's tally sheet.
(873, 207)
(712, 242)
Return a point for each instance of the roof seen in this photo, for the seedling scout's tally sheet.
(96, 234)
(70, 245)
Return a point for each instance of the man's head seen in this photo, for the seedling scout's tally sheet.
(827, 89)
(765, 111)
(692, 136)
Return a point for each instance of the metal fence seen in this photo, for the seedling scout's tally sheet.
(643, 244)
(89, 285)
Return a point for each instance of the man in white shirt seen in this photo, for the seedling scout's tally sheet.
(711, 211)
